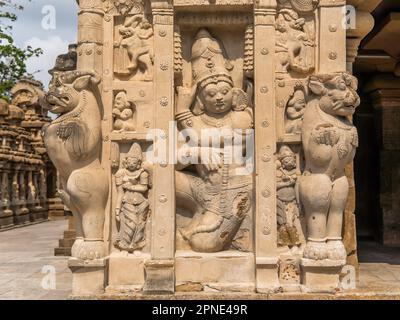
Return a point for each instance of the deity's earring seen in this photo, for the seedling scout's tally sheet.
(198, 107)
(239, 100)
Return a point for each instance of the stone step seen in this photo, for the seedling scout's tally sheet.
(69, 234)
(62, 251)
(66, 243)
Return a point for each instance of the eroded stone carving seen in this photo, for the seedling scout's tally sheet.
(217, 197)
(290, 233)
(132, 204)
(22, 155)
(295, 110)
(134, 49)
(73, 142)
(124, 113)
(329, 142)
(294, 46)
(301, 6)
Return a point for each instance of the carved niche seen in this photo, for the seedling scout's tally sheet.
(214, 191)
(132, 207)
(295, 37)
(133, 43)
(124, 113)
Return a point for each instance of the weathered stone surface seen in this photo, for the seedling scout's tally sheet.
(25, 170)
(203, 146)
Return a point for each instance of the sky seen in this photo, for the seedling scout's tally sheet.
(47, 24)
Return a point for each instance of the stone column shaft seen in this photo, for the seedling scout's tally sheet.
(265, 146)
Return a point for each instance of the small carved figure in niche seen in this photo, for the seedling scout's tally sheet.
(123, 112)
(294, 48)
(289, 228)
(329, 142)
(137, 40)
(132, 206)
(217, 197)
(295, 111)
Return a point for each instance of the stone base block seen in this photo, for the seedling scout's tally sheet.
(159, 277)
(56, 209)
(321, 275)
(127, 269)
(88, 276)
(222, 271)
(6, 219)
(38, 215)
(267, 275)
(62, 251)
(22, 218)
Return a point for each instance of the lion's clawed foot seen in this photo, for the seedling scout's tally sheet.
(76, 247)
(336, 250)
(315, 250)
(87, 250)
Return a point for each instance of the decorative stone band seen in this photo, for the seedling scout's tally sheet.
(90, 26)
(91, 4)
(264, 16)
(190, 3)
(213, 19)
(163, 16)
(332, 3)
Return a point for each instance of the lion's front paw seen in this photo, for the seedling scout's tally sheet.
(90, 250)
(76, 247)
(315, 250)
(336, 250)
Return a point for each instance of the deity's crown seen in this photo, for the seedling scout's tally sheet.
(298, 94)
(208, 60)
(135, 151)
(285, 152)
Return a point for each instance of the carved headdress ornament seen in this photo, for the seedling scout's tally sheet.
(208, 60)
(285, 152)
(135, 152)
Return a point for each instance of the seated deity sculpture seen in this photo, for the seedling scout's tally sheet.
(295, 111)
(209, 187)
(123, 113)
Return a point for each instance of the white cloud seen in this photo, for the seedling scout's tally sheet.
(52, 46)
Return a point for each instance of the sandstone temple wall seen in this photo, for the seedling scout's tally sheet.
(207, 145)
(25, 170)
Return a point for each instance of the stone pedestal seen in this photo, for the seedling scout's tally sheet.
(222, 271)
(88, 276)
(6, 218)
(321, 276)
(120, 279)
(159, 277)
(56, 209)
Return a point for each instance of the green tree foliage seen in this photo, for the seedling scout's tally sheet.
(12, 58)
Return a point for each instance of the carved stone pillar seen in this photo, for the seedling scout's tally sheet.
(332, 36)
(160, 275)
(89, 275)
(323, 274)
(6, 215)
(265, 147)
(385, 97)
(364, 24)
